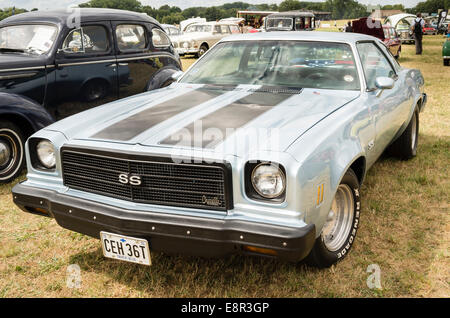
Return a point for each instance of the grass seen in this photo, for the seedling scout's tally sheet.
(405, 229)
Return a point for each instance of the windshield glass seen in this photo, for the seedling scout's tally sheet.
(278, 63)
(30, 38)
(198, 28)
(279, 23)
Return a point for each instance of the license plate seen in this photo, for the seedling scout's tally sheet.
(125, 248)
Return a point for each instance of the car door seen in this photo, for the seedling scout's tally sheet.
(86, 70)
(387, 106)
(136, 61)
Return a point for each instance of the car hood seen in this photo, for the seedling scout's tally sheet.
(230, 120)
(20, 60)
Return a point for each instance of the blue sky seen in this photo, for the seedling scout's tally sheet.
(61, 4)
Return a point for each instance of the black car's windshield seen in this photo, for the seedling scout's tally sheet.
(278, 63)
(29, 38)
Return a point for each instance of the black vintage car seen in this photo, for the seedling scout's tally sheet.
(57, 63)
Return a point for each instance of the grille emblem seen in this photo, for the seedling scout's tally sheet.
(214, 201)
(130, 179)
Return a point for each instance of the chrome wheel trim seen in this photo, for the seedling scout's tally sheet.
(6, 134)
(340, 219)
(414, 132)
(5, 152)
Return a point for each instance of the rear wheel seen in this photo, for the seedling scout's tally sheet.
(12, 155)
(339, 230)
(405, 147)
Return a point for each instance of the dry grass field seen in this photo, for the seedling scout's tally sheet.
(405, 229)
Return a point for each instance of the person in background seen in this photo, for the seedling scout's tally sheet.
(348, 27)
(417, 28)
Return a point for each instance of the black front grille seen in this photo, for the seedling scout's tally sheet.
(163, 182)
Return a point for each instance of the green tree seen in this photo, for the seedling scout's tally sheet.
(131, 5)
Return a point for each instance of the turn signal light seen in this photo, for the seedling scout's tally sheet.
(259, 250)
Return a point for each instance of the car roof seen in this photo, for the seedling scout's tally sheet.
(212, 23)
(344, 37)
(87, 15)
(292, 14)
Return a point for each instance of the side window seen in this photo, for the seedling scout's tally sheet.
(131, 37)
(235, 29)
(225, 29)
(217, 29)
(159, 38)
(374, 63)
(87, 40)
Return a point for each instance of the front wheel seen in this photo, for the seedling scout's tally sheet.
(339, 230)
(12, 155)
(202, 50)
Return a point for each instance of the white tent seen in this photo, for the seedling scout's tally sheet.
(393, 20)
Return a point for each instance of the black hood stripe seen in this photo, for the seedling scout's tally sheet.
(132, 126)
(234, 116)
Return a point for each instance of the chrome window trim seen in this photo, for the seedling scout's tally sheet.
(87, 63)
(23, 69)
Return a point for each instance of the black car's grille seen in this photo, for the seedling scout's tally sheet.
(205, 186)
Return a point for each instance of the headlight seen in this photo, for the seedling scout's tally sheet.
(268, 180)
(185, 45)
(46, 154)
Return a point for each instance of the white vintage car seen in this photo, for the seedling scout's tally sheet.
(199, 37)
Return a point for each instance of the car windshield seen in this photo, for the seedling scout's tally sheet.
(30, 38)
(279, 23)
(278, 63)
(198, 28)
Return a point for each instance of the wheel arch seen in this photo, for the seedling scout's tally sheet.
(20, 120)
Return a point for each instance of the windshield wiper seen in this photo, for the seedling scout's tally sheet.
(7, 49)
(32, 49)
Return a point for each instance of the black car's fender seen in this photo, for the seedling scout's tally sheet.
(20, 117)
(162, 78)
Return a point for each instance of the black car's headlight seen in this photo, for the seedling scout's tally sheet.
(266, 181)
(42, 153)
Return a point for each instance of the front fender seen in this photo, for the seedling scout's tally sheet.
(23, 108)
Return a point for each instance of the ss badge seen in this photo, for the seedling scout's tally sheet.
(130, 179)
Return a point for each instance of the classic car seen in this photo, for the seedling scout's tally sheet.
(199, 37)
(171, 29)
(259, 148)
(50, 69)
(290, 21)
(428, 29)
(385, 33)
(446, 51)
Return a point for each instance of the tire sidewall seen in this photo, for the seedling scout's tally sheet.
(331, 257)
(18, 140)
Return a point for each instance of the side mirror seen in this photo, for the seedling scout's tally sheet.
(177, 75)
(384, 83)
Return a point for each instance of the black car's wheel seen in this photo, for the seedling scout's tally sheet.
(95, 90)
(202, 50)
(405, 147)
(12, 155)
(447, 62)
(339, 230)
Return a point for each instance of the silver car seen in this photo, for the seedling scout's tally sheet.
(199, 37)
(260, 148)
